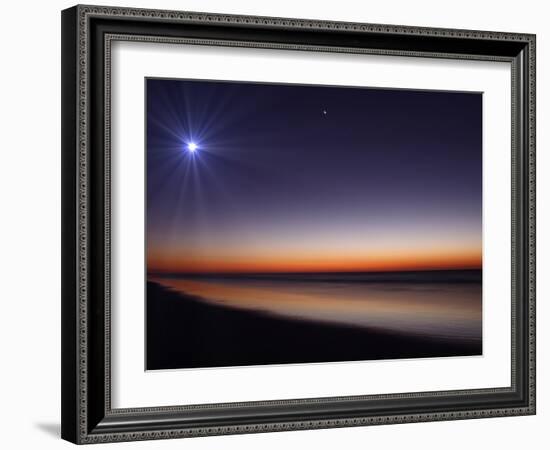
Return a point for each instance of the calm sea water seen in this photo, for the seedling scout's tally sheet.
(439, 304)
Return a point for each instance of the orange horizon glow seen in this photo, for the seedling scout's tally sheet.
(377, 262)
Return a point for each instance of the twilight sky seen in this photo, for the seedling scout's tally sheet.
(308, 178)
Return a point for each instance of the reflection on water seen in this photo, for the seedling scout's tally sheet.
(438, 308)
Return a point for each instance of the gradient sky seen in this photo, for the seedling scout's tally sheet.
(311, 178)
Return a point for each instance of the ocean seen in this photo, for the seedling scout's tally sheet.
(445, 304)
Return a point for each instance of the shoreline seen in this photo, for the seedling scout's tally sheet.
(405, 276)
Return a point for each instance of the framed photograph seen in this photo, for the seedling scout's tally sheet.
(277, 224)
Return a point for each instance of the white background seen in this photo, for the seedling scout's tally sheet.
(30, 237)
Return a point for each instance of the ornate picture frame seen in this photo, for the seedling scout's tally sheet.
(88, 33)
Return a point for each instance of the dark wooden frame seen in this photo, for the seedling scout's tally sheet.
(87, 32)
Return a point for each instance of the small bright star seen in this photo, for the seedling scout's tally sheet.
(192, 147)
(325, 112)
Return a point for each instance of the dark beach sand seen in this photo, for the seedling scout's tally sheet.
(184, 332)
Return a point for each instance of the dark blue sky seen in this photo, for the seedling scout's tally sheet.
(294, 177)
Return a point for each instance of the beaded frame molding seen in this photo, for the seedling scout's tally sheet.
(87, 35)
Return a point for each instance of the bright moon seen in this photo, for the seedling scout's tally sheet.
(192, 146)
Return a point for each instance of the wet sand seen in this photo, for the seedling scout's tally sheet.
(185, 332)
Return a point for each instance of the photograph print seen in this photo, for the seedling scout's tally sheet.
(292, 224)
